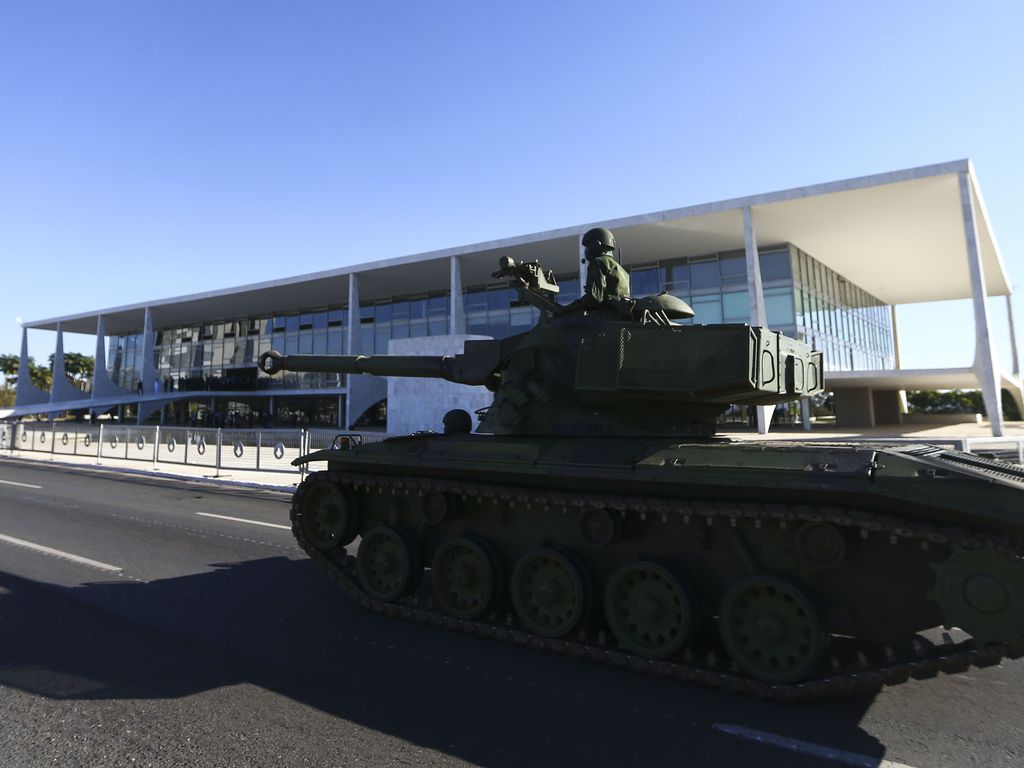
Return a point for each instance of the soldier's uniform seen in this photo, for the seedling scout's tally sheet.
(606, 279)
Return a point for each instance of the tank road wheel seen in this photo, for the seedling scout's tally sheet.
(437, 508)
(387, 563)
(771, 629)
(550, 592)
(649, 609)
(329, 516)
(465, 578)
(600, 526)
(982, 592)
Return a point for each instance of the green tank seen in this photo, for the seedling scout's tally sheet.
(594, 513)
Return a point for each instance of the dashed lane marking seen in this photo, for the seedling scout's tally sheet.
(806, 747)
(61, 554)
(21, 485)
(243, 520)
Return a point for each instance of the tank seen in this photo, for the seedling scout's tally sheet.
(593, 512)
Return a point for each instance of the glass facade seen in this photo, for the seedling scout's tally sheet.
(852, 328)
(222, 355)
(803, 298)
(401, 318)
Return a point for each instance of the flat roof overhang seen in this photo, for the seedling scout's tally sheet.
(915, 378)
(898, 235)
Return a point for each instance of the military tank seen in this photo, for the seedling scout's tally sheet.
(593, 512)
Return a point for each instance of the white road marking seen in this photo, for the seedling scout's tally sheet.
(806, 747)
(61, 553)
(21, 485)
(243, 520)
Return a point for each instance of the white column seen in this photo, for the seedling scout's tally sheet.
(984, 357)
(102, 386)
(99, 368)
(456, 311)
(26, 392)
(1013, 335)
(148, 372)
(353, 314)
(354, 339)
(61, 390)
(756, 294)
(895, 339)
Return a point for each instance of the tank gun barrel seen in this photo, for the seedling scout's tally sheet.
(451, 368)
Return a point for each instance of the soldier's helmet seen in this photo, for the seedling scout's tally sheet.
(598, 240)
(457, 422)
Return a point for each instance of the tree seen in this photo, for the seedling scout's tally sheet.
(42, 377)
(78, 367)
(9, 369)
(947, 401)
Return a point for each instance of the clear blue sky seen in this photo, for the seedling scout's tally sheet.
(150, 149)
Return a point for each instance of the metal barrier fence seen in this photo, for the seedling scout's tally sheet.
(263, 450)
(266, 450)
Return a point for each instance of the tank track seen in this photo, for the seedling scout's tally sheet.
(872, 669)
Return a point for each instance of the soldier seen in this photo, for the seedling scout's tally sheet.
(606, 279)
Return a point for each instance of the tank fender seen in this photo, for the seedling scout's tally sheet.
(325, 454)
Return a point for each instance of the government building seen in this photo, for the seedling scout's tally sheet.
(827, 264)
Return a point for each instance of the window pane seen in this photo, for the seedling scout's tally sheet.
(775, 266)
(417, 308)
(704, 275)
(736, 307)
(778, 306)
(708, 309)
(335, 342)
(678, 280)
(644, 282)
(498, 298)
(734, 270)
(569, 289)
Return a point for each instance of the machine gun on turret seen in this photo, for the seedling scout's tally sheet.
(535, 286)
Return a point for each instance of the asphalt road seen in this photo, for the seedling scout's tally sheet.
(190, 640)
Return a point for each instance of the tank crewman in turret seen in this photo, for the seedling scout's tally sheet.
(607, 281)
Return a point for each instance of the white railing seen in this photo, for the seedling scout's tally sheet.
(261, 450)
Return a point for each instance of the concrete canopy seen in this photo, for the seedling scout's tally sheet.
(898, 235)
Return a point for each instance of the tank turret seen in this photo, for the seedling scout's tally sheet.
(623, 368)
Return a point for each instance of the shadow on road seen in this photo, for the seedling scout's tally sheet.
(279, 624)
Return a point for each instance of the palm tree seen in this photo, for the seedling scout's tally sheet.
(41, 376)
(9, 369)
(78, 367)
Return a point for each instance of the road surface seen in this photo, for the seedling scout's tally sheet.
(147, 621)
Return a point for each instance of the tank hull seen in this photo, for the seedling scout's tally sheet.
(875, 543)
